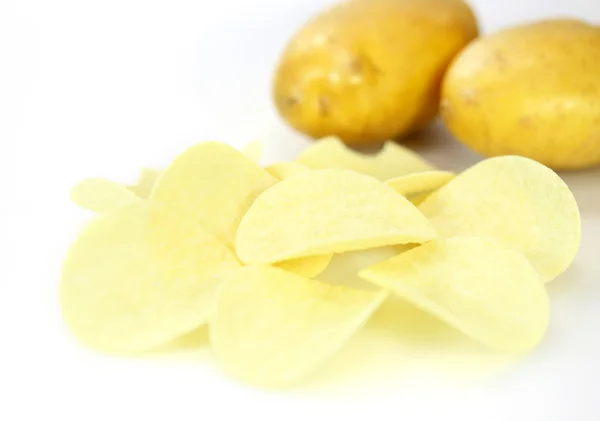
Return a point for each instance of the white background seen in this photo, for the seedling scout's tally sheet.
(104, 87)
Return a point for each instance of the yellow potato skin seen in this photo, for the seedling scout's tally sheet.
(370, 70)
(531, 90)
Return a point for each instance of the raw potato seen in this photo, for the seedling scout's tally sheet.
(391, 161)
(489, 292)
(327, 211)
(417, 186)
(370, 70)
(213, 184)
(101, 195)
(139, 277)
(271, 328)
(517, 201)
(531, 90)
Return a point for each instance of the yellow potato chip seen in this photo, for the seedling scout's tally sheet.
(327, 211)
(417, 186)
(517, 201)
(305, 266)
(145, 182)
(283, 170)
(272, 327)
(308, 267)
(137, 278)
(392, 161)
(101, 195)
(488, 291)
(344, 267)
(254, 150)
(213, 184)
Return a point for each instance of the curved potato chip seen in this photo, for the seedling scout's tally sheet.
(327, 211)
(135, 279)
(254, 150)
(308, 267)
(489, 292)
(345, 267)
(304, 266)
(417, 186)
(213, 184)
(271, 327)
(101, 195)
(517, 201)
(145, 182)
(392, 161)
(283, 170)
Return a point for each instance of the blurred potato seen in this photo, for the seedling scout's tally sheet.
(530, 90)
(370, 70)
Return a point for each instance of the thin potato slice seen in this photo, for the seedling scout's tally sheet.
(392, 161)
(145, 182)
(101, 195)
(417, 186)
(327, 211)
(304, 266)
(213, 184)
(488, 291)
(272, 327)
(308, 267)
(254, 150)
(345, 267)
(283, 170)
(517, 201)
(136, 279)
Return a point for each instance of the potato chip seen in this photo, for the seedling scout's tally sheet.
(213, 184)
(305, 266)
(283, 170)
(137, 278)
(417, 186)
(145, 182)
(517, 201)
(254, 150)
(344, 267)
(308, 267)
(327, 211)
(392, 161)
(488, 291)
(101, 195)
(271, 327)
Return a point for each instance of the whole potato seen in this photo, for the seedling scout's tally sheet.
(370, 70)
(531, 90)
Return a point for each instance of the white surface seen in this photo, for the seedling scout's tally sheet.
(104, 87)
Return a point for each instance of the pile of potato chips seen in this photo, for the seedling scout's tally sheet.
(218, 239)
